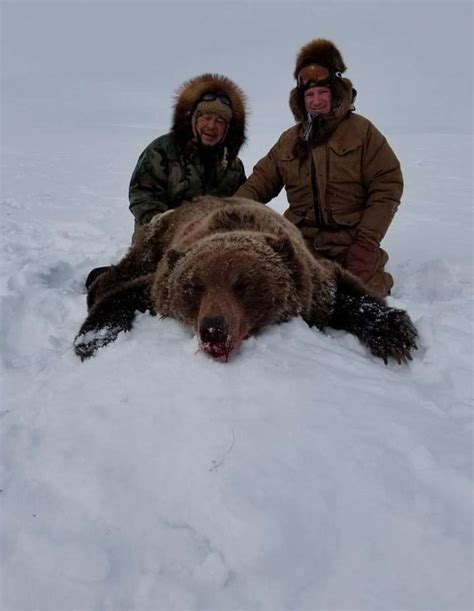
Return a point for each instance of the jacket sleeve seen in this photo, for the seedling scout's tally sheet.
(265, 182)
(148, 185)
(384, 180)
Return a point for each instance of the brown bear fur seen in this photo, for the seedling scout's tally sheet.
(228, 267)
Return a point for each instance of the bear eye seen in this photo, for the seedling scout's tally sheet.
(241, 286)
(193, 287)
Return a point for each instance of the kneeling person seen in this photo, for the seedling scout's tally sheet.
(342, 179)
(199, 156)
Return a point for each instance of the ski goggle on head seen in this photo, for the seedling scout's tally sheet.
(210, 96)
(314, 75)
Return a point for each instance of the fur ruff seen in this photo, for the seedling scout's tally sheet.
(343, 103)
(188, 95)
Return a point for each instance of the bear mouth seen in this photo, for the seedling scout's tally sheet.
(219, 351)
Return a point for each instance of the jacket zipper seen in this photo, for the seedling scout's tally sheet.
(315, 189)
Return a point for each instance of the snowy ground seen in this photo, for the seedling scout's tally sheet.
(302, 475)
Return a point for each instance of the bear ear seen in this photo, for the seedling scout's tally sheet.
(281, 245)
(173, 256)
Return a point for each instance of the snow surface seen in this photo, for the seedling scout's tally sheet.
(303, 474)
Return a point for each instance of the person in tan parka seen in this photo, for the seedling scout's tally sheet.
(342, 179)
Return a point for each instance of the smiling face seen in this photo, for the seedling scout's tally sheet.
(211, 129)
(318, 100)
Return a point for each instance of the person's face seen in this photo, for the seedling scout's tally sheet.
(318, 100)
(211, 129)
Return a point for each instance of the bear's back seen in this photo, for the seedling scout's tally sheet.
(208, 215)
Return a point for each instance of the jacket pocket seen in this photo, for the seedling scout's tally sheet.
(345, 162)
(289, 167)
(178, 185)
(347, 219)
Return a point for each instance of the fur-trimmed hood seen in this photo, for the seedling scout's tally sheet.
(186, 99)
(324, 52)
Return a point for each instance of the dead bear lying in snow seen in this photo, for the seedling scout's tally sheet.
(228, 267)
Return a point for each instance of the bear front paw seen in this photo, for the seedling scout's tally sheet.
(87, 344)
(394, 336)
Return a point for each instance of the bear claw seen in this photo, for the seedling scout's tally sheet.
(87, 344)
(395, 339)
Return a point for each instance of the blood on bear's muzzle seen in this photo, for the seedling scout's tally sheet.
(222, 322)
(214, 337)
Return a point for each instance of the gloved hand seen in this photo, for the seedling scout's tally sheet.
(362, 258)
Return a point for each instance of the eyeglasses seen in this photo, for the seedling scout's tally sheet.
(210, 96)
(313, 75)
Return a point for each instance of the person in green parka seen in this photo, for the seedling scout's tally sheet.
(199, 156)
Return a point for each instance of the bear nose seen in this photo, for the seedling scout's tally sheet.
(215, 329)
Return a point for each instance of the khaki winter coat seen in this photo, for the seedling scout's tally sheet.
(348, 185)
(343, 181)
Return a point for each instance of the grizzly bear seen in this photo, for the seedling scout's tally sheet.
(228, 267)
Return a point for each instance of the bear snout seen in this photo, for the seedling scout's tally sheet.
(215, 329)
(221, 323)
(215, 338)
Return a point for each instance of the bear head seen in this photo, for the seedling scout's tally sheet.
(228, 286)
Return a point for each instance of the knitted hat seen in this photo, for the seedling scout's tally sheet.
(215, 107)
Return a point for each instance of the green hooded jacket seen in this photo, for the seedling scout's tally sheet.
(164, 177)
(175, 168)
